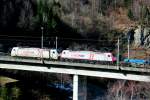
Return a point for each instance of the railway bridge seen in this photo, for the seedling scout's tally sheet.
(76, 69)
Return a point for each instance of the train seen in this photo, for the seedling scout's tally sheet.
(52, 54)
(80, 55)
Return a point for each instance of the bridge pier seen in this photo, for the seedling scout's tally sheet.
(79, 87)
(75, 87)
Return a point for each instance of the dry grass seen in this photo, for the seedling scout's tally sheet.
(5, 80)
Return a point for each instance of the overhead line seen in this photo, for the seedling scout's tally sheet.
(61, 38)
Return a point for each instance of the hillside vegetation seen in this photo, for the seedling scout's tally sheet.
(110, 19)
(97, 19)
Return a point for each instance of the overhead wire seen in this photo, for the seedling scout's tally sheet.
(52, 37)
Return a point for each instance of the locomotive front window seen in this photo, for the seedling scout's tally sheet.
(53, 51)
(108, 55)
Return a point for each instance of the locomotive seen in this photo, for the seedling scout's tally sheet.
(52, 54)
(88, 56)
(34, 53)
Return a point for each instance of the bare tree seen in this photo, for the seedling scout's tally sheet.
(127, 90)
(7, 10)
(26, 15)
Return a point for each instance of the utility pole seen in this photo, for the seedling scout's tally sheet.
(118, 53)
(42, 37)
(42, 45)
(128, 48)
(56, 42)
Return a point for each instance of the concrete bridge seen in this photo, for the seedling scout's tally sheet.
(76, 69)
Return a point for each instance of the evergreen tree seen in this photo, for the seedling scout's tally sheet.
(47, 10)
(130, 14)
(144, 15)
(127, 3)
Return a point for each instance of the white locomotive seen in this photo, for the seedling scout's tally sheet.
(65, 54)
(88, 55)
(34, 53)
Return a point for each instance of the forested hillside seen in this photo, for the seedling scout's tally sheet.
(98, 19)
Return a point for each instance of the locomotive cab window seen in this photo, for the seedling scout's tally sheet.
(54, 52)
(108, 55)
